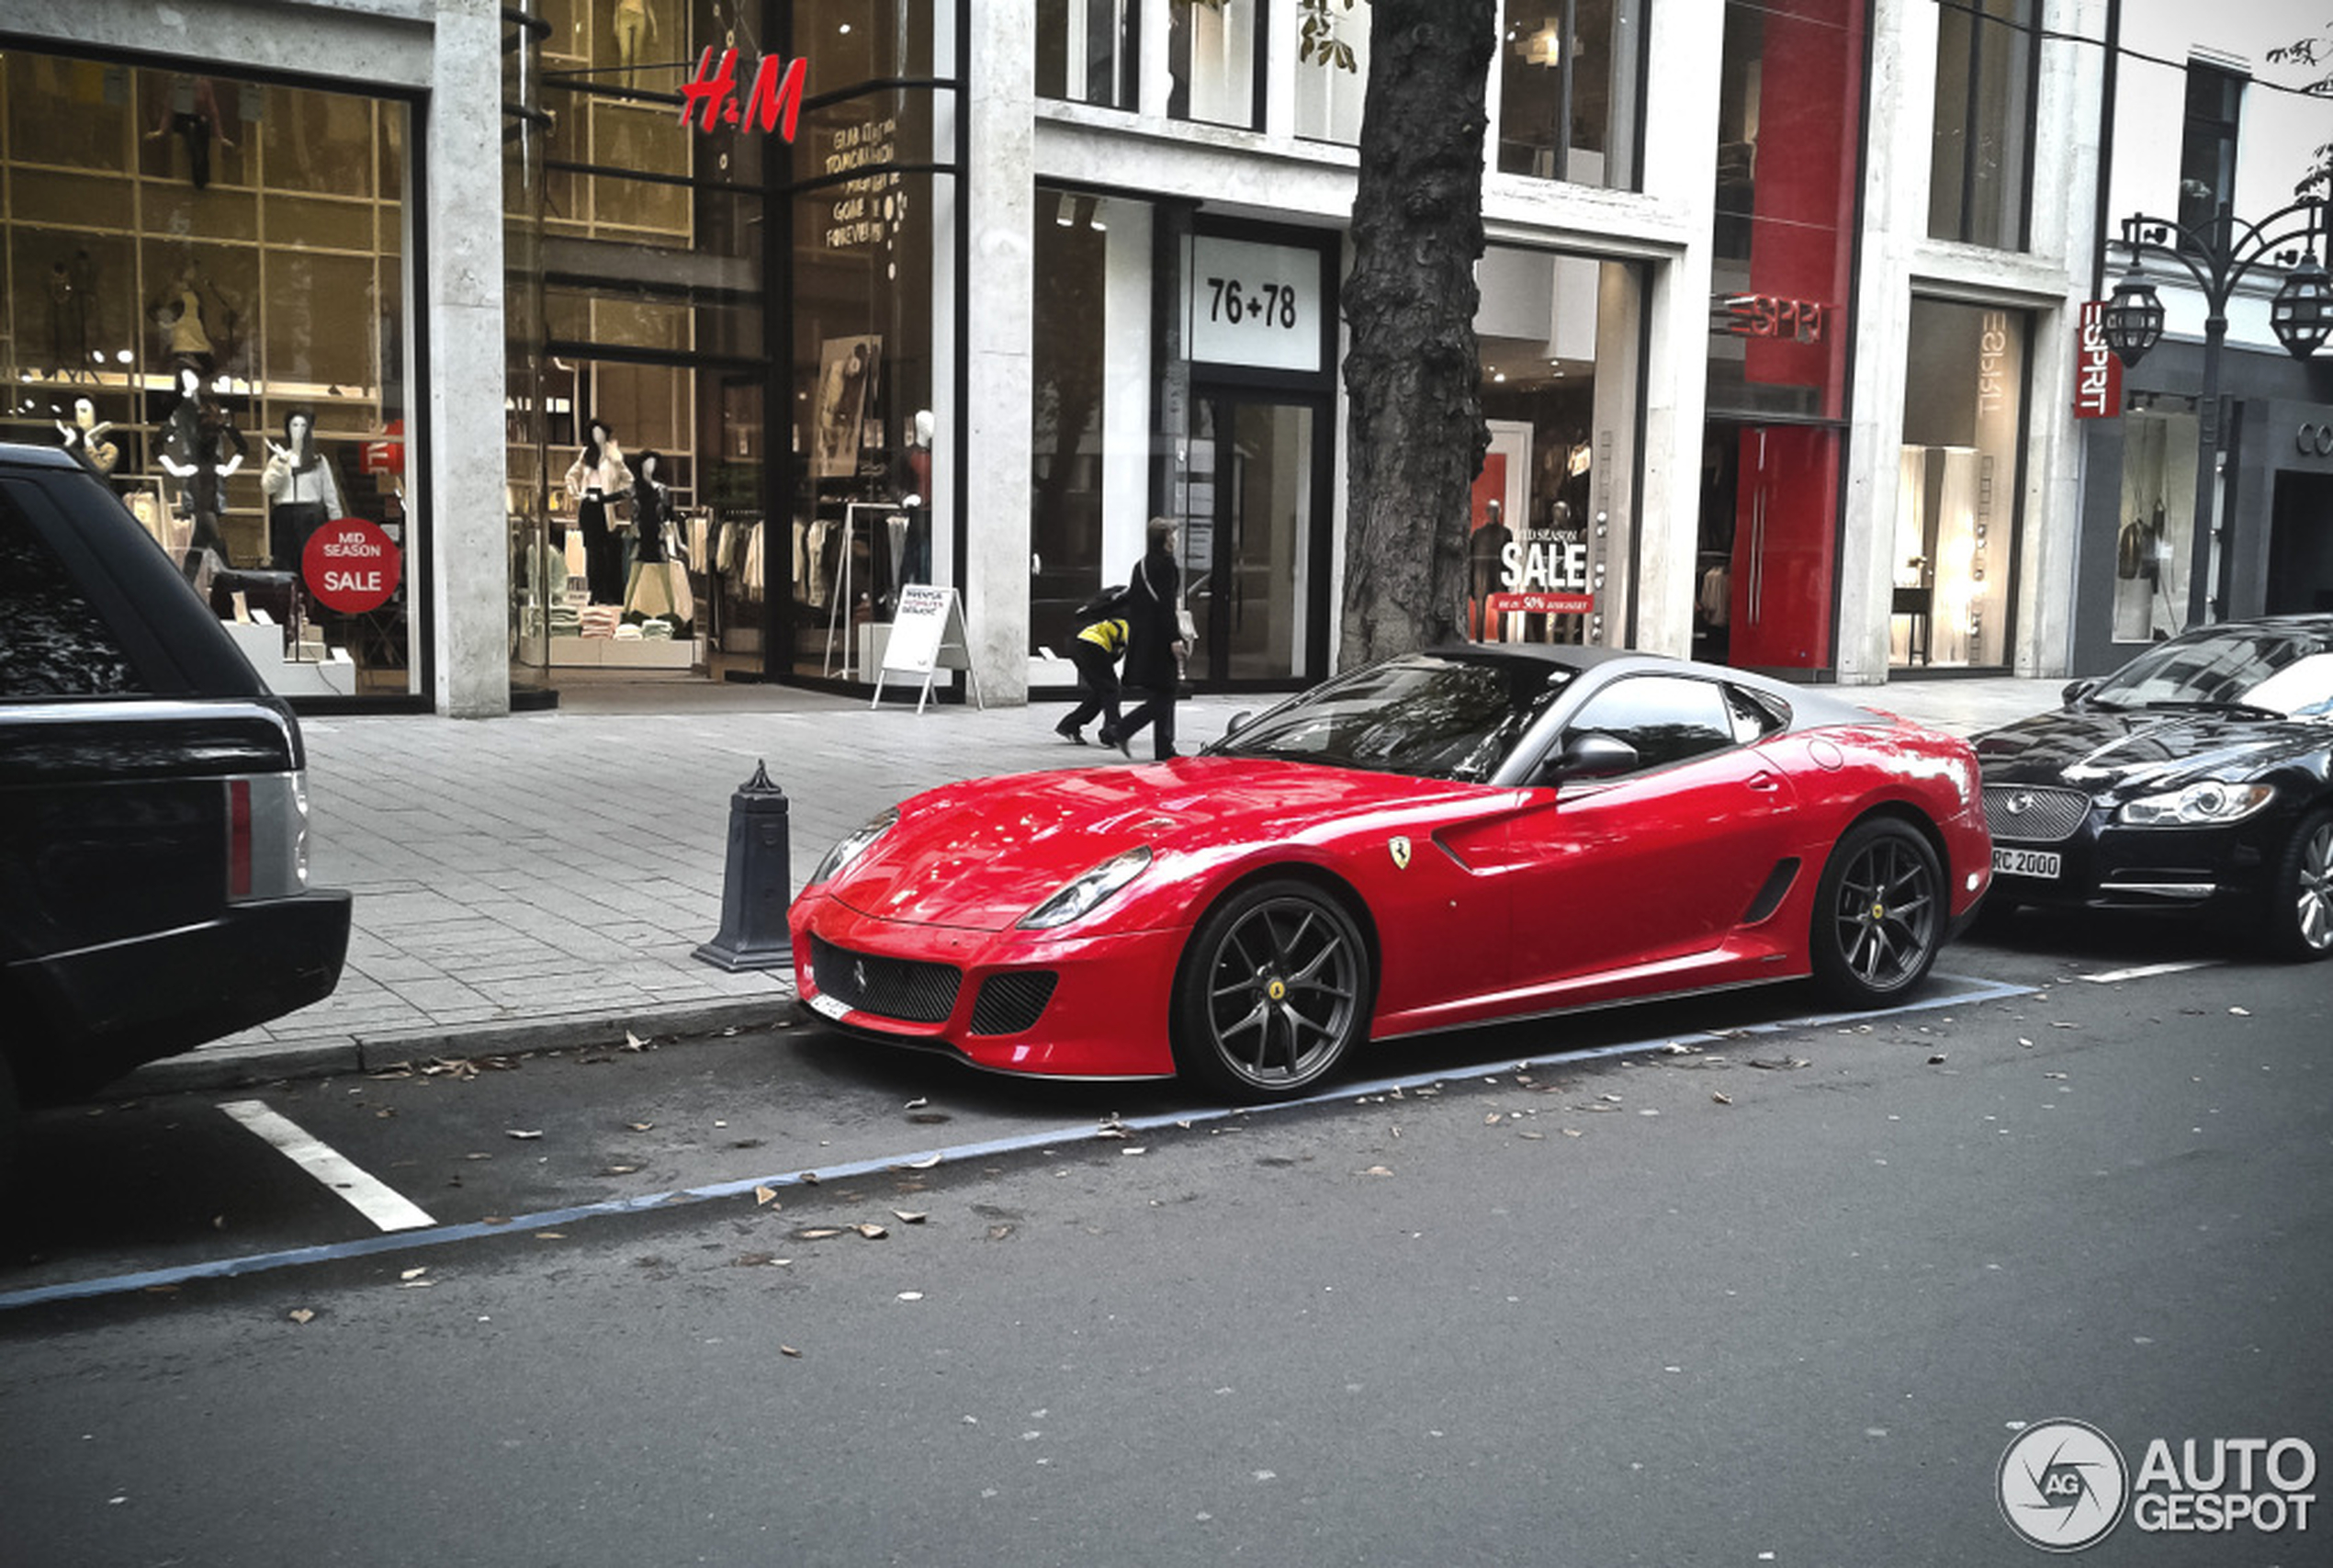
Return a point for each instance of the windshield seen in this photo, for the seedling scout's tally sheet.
(2272, 670)
(1443, 716)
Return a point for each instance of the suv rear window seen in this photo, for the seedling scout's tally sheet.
(53, 643)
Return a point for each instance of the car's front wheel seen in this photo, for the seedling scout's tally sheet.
(1274, 989)
(1879, 914)
(2300, 894)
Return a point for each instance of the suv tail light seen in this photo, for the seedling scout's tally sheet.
(266, 836)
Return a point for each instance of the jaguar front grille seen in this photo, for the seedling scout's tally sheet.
(2034, 813)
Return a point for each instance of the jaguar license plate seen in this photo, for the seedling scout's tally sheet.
(2025, 862)
(825, 1006)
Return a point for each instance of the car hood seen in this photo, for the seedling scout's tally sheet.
(983, 854)
(2107, 752)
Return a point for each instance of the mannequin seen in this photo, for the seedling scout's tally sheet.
(190, 109)
(303, 493)
(917, 565)
(634, 26)
(179, 313)
(85, 439)
(649, 591)
(597, 479)
(201, 449)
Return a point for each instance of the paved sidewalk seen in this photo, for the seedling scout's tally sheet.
(545, 879)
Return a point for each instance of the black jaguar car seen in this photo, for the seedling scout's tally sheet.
(154, 806)
(2199, 775)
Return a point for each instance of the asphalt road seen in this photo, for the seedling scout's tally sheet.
(1781, 1293)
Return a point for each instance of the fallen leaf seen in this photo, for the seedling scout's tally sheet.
(1571, 1132)
(639, 1126)
(416, 1284)
(1938, 1057)
(415, 1273)
(808, 1179)
(1493, 1120)
(871, 1232)
(515, 1132)
(301, 1315)
(818, 1232)
(1530, 1134)
(633, 1041)
(1722, 1098)
(1375, 1170)
(925, 1164)
(1612, 1098)
(1133, 1151)
(910, 1216)
(911, 1295)
(764, 1195)
(2241, 1012)
(917, 1103)
(550, 1235)
(618, 1170)
(789, 1350)
(998, 1233)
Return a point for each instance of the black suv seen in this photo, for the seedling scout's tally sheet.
(153, 805)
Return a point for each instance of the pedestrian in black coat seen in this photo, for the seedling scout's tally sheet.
(1155, 645)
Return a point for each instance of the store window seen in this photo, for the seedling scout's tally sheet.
(1980, 160)
(207, 305)
(1211, 62)
(1571, 91)
(1088, 51)
(2154, 533)
(1956, 506)
(869, 511)
(1551, 532)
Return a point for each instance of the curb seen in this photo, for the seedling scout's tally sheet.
(216, 1067)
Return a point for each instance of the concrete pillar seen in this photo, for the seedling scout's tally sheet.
(463, 483)
(999, 203)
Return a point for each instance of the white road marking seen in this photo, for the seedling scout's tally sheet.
(369, 1197)
(2146, 970)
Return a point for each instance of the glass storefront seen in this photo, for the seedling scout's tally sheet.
(1550, 526)
(2154, 535)
(1789, 137)
(205, 301)
(1957, 507)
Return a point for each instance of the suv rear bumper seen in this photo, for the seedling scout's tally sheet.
(108, 1008)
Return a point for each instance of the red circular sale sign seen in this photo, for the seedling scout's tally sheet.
(351, 564)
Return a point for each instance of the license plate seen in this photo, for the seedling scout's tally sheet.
(825, 1006)
(2025, 862)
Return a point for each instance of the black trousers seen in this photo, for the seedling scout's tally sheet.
(603, 554)
(289, 527)
(1157, 710)
(1098, 672)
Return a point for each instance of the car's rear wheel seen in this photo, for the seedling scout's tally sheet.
(1274, 989)
(2300, 895)
(1879, 914)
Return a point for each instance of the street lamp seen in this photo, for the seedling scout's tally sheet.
(2217, 255)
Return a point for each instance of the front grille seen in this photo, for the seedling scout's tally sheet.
(2034, 814)
(903, 989)
(1010, 1002)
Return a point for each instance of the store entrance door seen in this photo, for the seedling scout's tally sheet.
(1255, 539)
(1779, 491)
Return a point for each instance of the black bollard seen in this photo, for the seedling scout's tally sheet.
(756, 885)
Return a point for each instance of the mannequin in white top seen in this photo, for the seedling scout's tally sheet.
(303, 494)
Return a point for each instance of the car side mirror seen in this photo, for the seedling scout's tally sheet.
(1591, 755)
(2077, 690)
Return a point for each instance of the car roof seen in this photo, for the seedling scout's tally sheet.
(2313, 624)
(36, 456)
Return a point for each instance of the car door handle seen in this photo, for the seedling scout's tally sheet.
(1764, 782)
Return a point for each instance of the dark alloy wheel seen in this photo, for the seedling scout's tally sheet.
(1879, 914)
(1275, 986)
(2300, 895)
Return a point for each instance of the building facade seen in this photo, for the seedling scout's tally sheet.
(735, 336)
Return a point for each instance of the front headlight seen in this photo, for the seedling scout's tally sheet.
(2196, 805)
(1079, 897)
(853, 845)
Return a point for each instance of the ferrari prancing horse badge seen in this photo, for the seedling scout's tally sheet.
(1401, 848)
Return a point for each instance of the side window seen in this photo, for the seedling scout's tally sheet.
(1668, 718)
(53, 643)
(1756, 715)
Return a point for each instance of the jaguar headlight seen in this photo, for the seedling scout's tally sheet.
(2201, 804)
(853, 845)
(1080, 896)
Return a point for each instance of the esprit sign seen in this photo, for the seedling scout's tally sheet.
(772, 103)
(2098, 374)
(351, 564)
(1763, 315)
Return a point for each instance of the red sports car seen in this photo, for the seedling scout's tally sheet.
(1442, 838)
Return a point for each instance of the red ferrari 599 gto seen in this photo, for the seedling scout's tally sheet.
(1449, 838)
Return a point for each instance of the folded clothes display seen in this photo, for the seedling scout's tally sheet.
(629, 634)
(656, 629)
(601, 620)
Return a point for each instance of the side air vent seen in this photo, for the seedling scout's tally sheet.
(1770, 896)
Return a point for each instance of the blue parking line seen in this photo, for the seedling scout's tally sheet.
(1978, 991)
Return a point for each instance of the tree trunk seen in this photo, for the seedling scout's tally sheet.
(1416, 430)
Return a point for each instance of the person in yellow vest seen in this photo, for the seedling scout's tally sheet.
(1096, 650)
